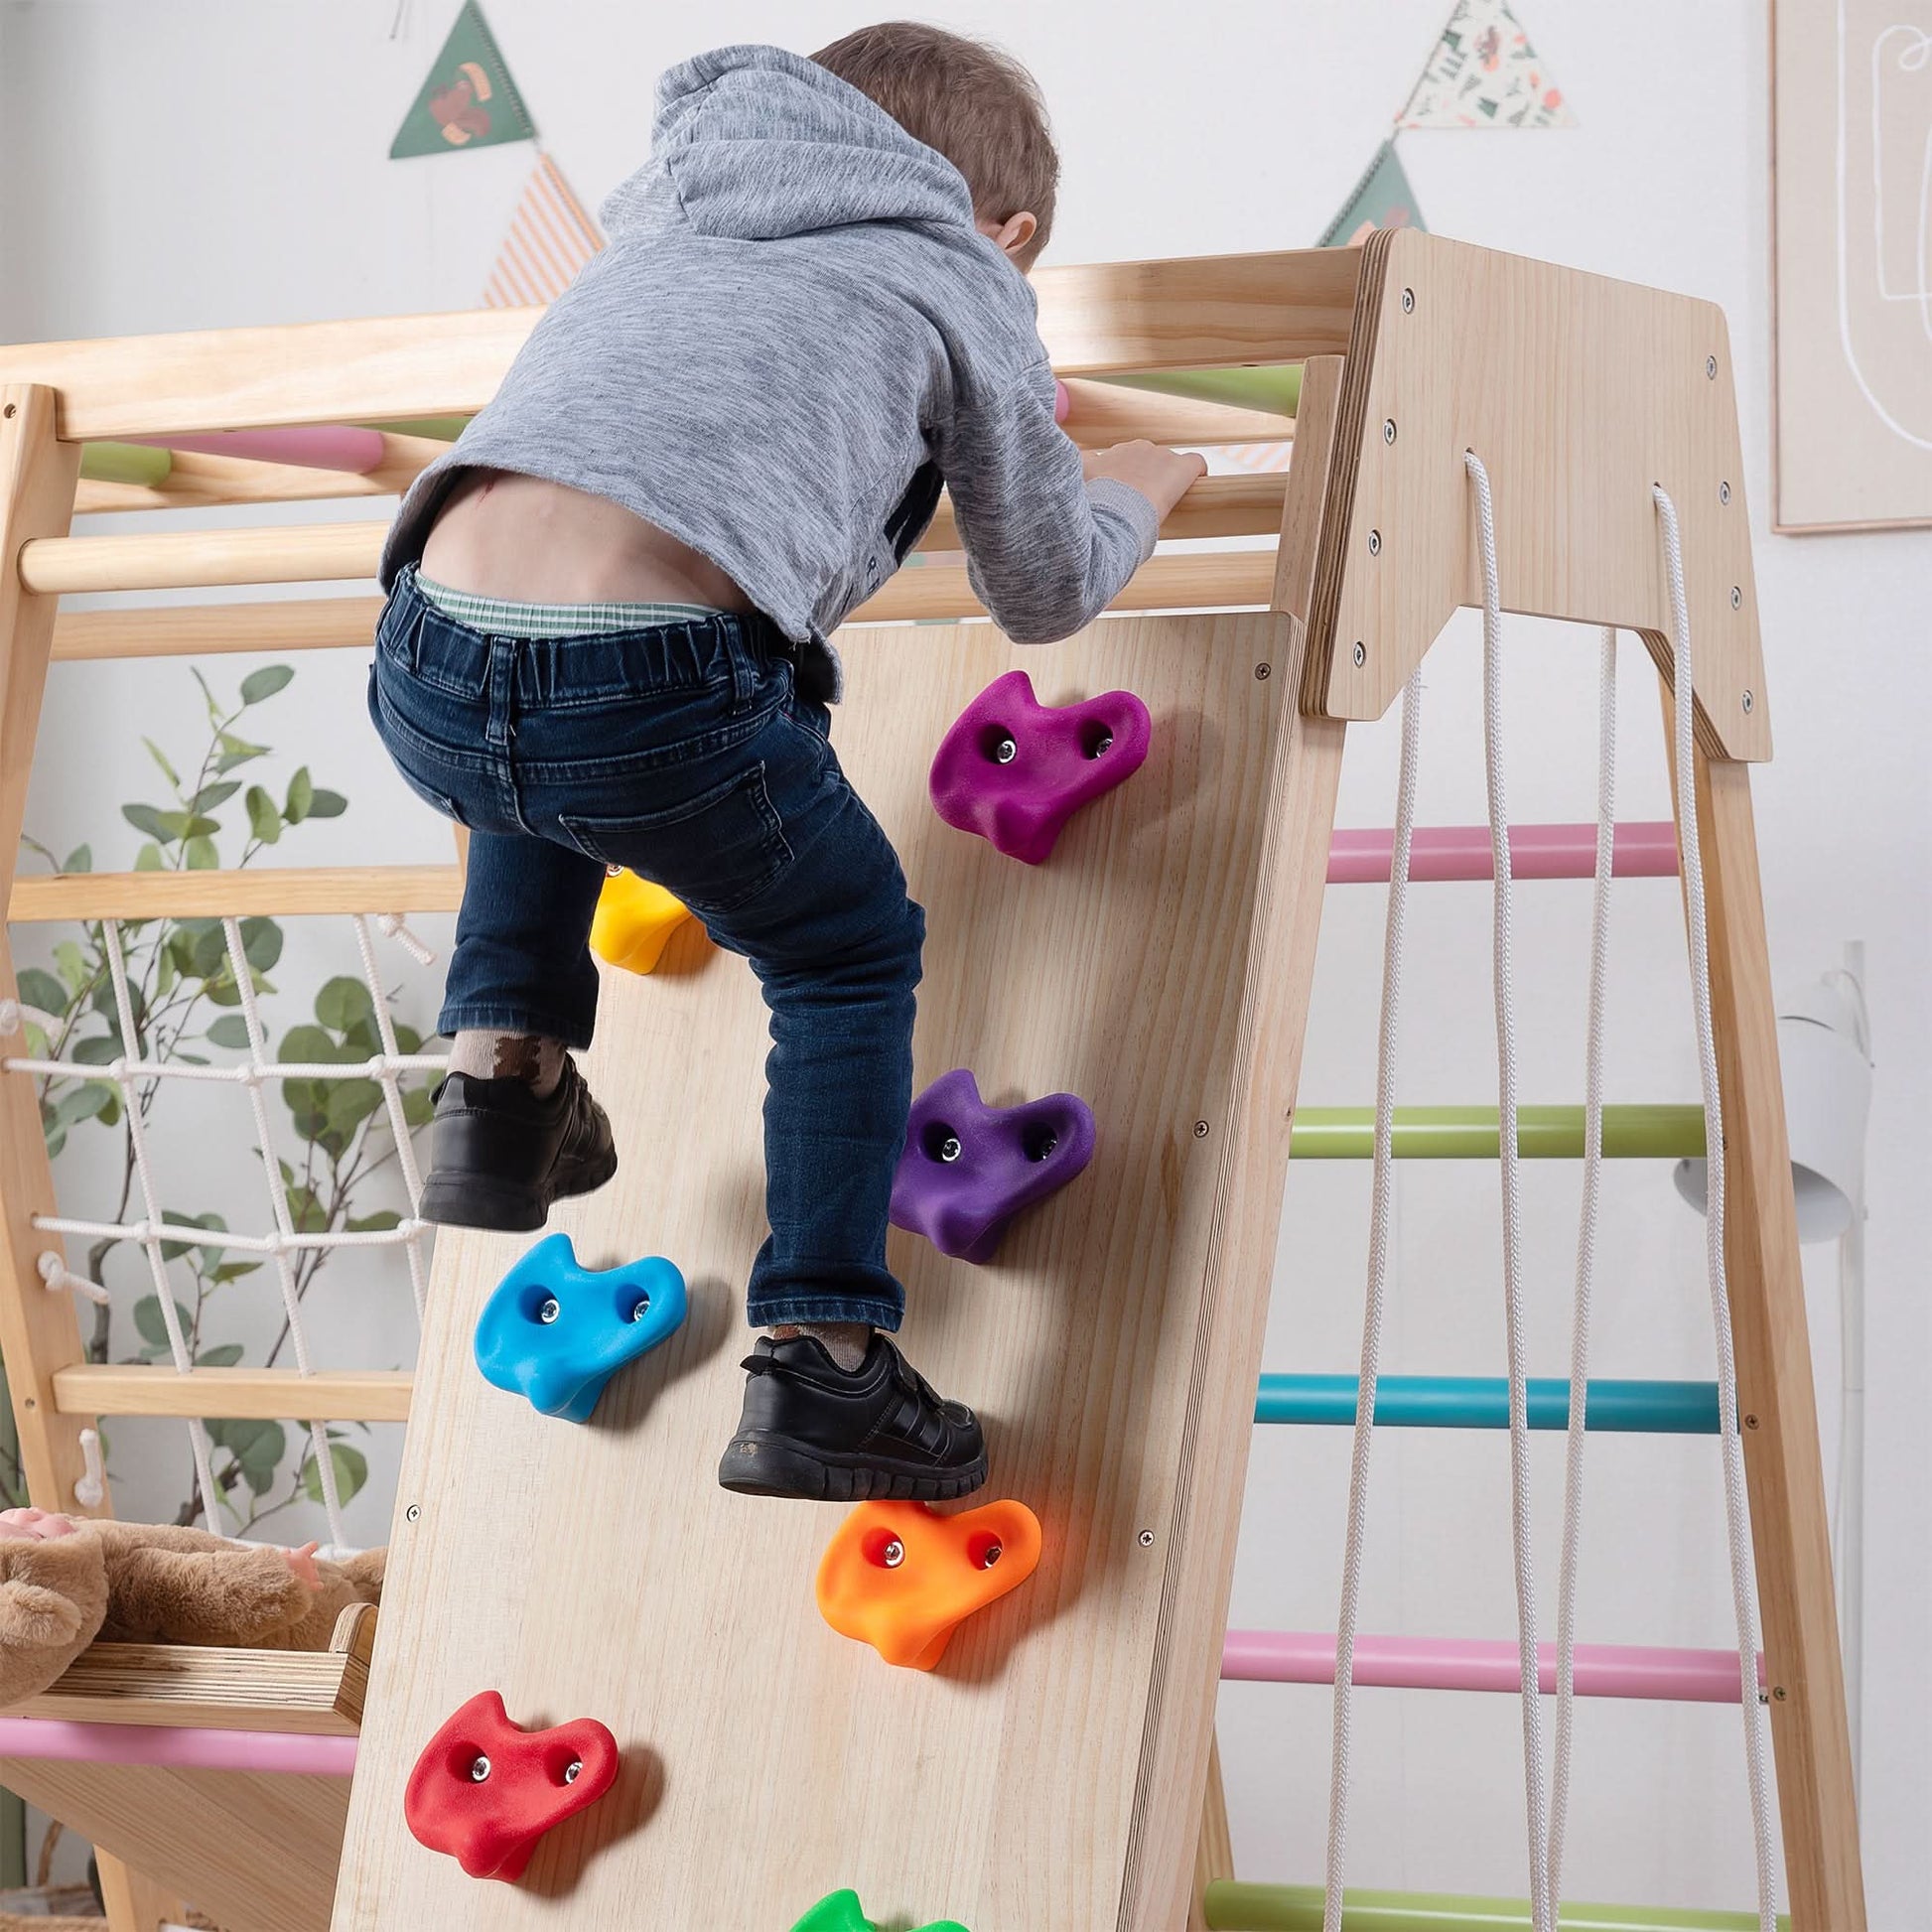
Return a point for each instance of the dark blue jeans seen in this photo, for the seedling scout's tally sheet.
(684, 753)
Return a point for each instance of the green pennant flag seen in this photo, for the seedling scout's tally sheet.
(1382, 199)
(468, 99)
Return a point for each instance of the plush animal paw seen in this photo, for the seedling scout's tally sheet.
(1015, 770)
(484, 1790)
(968, 1168)
(52, 1600)
(903, 1577)
(842, 1913)
(556, 1331)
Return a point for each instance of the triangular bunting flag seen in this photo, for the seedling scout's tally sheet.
(1484, 74)
(550, 239)
(1382, 199)
(468, 99)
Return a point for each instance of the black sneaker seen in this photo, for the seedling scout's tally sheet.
(502, 1156)
(812, 1429)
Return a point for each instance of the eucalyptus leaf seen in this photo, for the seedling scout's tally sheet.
(231, 1029)
(265, 682)
(38, 988)
(343, 1003)
(301, 794)
(352, 1468)
(264, 817)
(326, 804)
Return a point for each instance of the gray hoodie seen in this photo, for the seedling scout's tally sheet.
(795, 334)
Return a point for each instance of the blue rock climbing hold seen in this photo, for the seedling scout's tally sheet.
(556, 1331)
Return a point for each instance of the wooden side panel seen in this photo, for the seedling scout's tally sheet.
(1578, 393)
(601, 1571)
(255, 1852)
(134, 1902)
(1790, 1530)
(39, 1333)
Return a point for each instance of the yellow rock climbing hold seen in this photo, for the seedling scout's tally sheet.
(634, 921)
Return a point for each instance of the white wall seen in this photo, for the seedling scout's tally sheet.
(167, 165)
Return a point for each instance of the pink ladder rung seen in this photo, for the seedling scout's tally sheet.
(179, 1747)
(1643, 849)
(1604, 1670)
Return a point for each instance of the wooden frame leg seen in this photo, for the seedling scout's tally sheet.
(1777, 1401)
(135, 1903)
(1216, 1859)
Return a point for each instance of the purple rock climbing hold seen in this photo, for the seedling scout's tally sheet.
(1015, 770)
(968, 1168)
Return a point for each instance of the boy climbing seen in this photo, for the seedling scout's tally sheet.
(606, 643)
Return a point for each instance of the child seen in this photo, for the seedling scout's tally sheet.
(606, 644)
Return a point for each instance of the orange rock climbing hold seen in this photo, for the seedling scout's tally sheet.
(634, 920)
(903, 1577)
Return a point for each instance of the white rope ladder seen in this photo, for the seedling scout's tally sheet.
(1546, 1827)
(152, 1230)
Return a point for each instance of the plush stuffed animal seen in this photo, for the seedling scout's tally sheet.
(63, 1583)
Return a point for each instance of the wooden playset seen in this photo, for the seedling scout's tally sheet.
(1054, 1773)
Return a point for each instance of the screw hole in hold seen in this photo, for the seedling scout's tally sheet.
(999, 745)
(984, 1550)
(1736, 596)
(883, 1550)
(639, 1308)
(548, 1309)
(1360, 653)
(1096, 741)
(1710, 368)
(478, 1768)
(1039, 1143)
(1723, 492)
(940, 1143)
(1375, 543)
(1388, 429)
(1408, 301)
(572, 1770)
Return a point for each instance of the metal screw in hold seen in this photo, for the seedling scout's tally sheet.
(1736, 596)
(1710, 368)
(1408, 301)
(1388, 429)
(1375, 543)
(1102, 745)
(550, 1310)
(479, 1769)
(949, 1149)
(1723, 492)
(1006, 751)
(1361, 652)
(893, 1554)
(1263, 672)
(572, 1770)
(993, 1552)
(1147, 1538)
(1750, 701)
(1200, 1130)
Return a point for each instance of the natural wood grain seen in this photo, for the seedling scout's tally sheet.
(241, 1394)
(1101, 414)
(1196, 311)
(38, 1332)
(1790, 1528)
(280, 892)
(256, 1852)
(269, 553)
(1198, 580)
(1578, 393)
(1216, 506)
(372, 371)
(198, 630)
(1079, 1343)
(133, 1902)
(198, 481)
(1297, 814)
(294, 553)
(1110, 316)
(1216, 1859)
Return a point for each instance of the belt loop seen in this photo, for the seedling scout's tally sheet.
(740, 638)
(502, 684)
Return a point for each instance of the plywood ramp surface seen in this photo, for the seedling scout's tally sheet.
(601, 1572)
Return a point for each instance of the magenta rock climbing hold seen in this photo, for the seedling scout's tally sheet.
(968, 1168)
(1015, 770)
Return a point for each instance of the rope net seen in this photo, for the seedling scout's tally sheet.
(136, 1080)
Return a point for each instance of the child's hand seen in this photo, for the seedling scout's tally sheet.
(1163, 477)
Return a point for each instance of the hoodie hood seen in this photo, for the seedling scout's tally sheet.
(756, 143)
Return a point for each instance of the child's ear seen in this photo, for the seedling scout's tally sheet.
(1013, 234)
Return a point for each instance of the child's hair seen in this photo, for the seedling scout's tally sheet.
(976, 104)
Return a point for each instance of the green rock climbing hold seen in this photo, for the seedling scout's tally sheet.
(842, 1913)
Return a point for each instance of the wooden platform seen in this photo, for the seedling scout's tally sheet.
(770, 1760)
